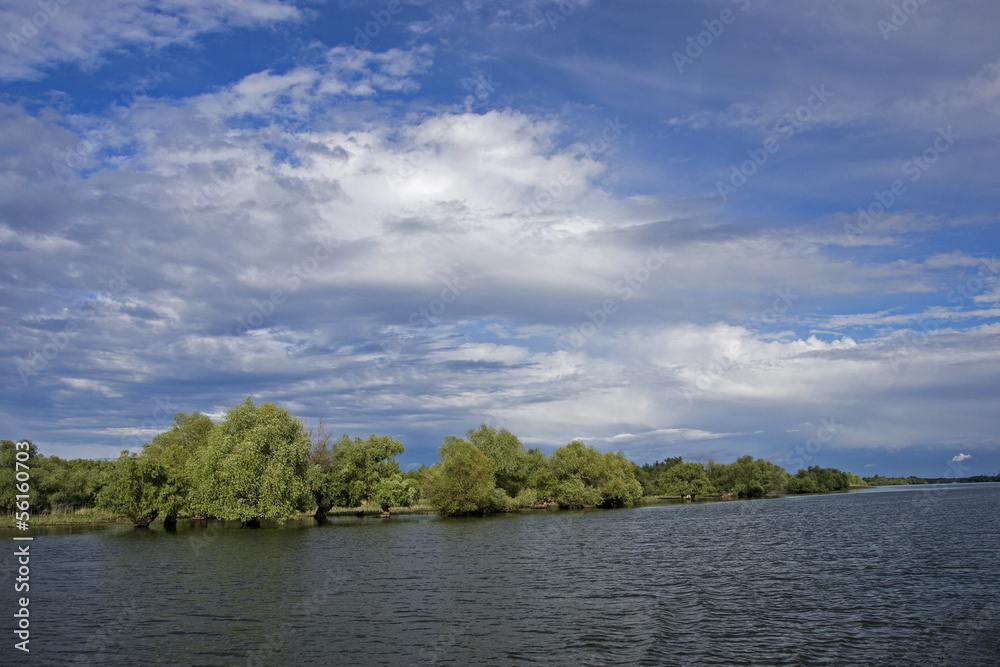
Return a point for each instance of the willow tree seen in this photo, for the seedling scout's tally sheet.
(461, 482)
(325, 487)
(687, 479)
(584, 477)
(172, 450)
(132, 489)
(508, 454)
(747, 478)
(357, 472)
(364, 465)
(254, 467)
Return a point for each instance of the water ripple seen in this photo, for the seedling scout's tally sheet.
(850, 579)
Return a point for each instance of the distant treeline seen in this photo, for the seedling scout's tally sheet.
(260, 463)
(878, 480)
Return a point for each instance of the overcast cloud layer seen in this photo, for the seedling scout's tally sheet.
(671, 228)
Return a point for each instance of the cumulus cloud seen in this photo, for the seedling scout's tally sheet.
(958, 458)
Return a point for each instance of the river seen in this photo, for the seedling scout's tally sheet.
(903, 575)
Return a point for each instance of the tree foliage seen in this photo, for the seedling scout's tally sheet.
(583, 477)
(879, 480)
(173, 451)
(394, 491)
(687, 479)
(538, 476)
(462, 480)
(259, 463)
(747, 478)
(652, 476)
(254, 466)
(362, 471)
(822, 480)
(132, 489)
(57, 485)
(507, 453)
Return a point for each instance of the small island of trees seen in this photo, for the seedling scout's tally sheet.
(261, 464)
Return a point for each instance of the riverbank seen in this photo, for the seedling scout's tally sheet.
(94, 517)
(82, 517)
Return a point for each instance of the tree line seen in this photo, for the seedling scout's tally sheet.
(744, 478)
(878, 480)
(260, 463)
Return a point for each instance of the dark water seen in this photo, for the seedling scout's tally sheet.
(885, 577)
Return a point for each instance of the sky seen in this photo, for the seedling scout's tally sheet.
(670, 228)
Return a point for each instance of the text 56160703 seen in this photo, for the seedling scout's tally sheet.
(22, 506)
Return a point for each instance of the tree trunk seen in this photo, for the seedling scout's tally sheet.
(321, 512)
(251, 523)
(170, 522)
(144, 521)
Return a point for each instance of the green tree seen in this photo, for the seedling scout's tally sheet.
(172, 451)
(366, 471)
(132, 489)
(55, 484)
(67, 485)
(254, 467)
(617, 484)
(462, 480)
(537, 477)
(854, 479)
(363, 464)
(583, 477)
(394, 491)
(822, 480)
(325, 489)
(572, 492)
(652, 476)
(747, 478)
(507, 453)
(687, 479)
(803, 483)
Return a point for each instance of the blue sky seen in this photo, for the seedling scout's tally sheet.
(701, 229)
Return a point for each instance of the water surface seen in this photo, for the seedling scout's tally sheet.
(902, 576)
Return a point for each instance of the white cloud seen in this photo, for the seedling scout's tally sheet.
(980, 91)
(91, 386)
(83, 32)
(485, 352)
(958, 458)
(307, 90)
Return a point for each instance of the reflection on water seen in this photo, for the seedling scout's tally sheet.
(908, 577)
